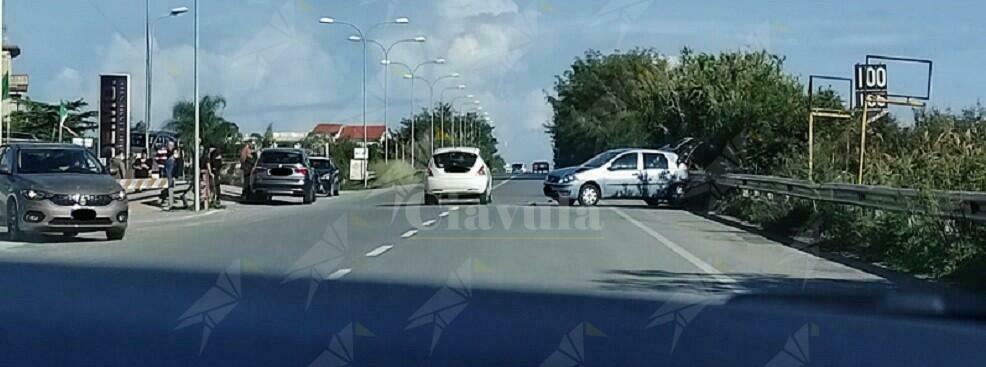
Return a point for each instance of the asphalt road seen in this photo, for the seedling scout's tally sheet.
(287, 283)
(521, 241)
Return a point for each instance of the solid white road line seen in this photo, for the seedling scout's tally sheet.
(429, 222)
(409, 233)
(339, 273)
(379, 251)
(704, 266)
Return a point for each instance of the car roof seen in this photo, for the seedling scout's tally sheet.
(320, 158)
(457, 149)
(284, 150)
(640, 150)
(44, 145)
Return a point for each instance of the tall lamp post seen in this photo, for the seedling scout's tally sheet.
(362, 40)
(386, 89)
(441, 101)
(148, 78)
(431, 101)
(195, 95)
(457, 132)
(411, 76)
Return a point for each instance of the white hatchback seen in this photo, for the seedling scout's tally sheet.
(458, 173)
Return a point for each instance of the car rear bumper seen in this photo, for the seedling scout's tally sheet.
(75, 218)
(280, 187)
(458, 186)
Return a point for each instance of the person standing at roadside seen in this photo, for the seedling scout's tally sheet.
(117, 167)
(142, 168)
(169, 172)
(215, 164)
(246, 164)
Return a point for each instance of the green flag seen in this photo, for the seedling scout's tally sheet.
(62, 113)
(6, 85)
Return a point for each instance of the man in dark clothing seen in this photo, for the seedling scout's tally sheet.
(215, 164)
(141, 166)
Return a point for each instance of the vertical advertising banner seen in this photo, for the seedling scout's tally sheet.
(114, 114)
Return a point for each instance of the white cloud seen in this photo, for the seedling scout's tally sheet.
(469, 8)
(68, 84)
(276, 74)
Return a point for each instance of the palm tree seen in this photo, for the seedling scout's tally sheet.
(215, 130)
(41, 119)
(266, 139)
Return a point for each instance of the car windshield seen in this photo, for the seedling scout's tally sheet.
(458, 161)
(492, 182)
(280, 157)
(322, 164)
(57, 160)
(601, 159)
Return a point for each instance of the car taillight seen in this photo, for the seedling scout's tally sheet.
(482, 171)
(301, 170)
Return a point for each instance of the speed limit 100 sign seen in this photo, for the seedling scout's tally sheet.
(871, 79)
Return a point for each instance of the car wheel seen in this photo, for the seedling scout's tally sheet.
(652, 202)
(484, 198)
(13, 225)
(589, 195)
(309, 196)
(431, 200)
(115, 234)
(335, 192)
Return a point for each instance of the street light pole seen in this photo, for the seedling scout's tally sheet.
(386, 88)
(362, 39)
(431, 101)
(148, 68)
(195, 72)
(441, 101)
(457, 133)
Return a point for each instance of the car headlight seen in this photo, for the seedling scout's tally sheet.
(32, 194)
(567, 179)
(122, 195)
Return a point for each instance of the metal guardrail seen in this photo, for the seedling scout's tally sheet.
(968, 205)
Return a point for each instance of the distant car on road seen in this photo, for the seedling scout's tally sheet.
(283, 172)
(328, 176)
(458, 173)
(641, 174)
(518, 168)
(60, 188)
(540, 167)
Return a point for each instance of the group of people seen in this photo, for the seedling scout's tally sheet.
(169, 159)
(170, 165)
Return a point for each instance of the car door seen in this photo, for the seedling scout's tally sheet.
(657, 175)
(623, 179)
(6, 178)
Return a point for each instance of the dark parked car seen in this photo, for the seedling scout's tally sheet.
(59, 188)
(283, 172)
(328, 176)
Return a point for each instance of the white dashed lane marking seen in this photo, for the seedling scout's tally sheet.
(429, 222)
(409, 233)
(339, 273)
(442, 214)
(379, 251)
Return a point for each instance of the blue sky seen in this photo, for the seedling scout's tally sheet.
(275, 64)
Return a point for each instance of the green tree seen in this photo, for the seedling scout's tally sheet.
(41, 119)
(215, 129)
